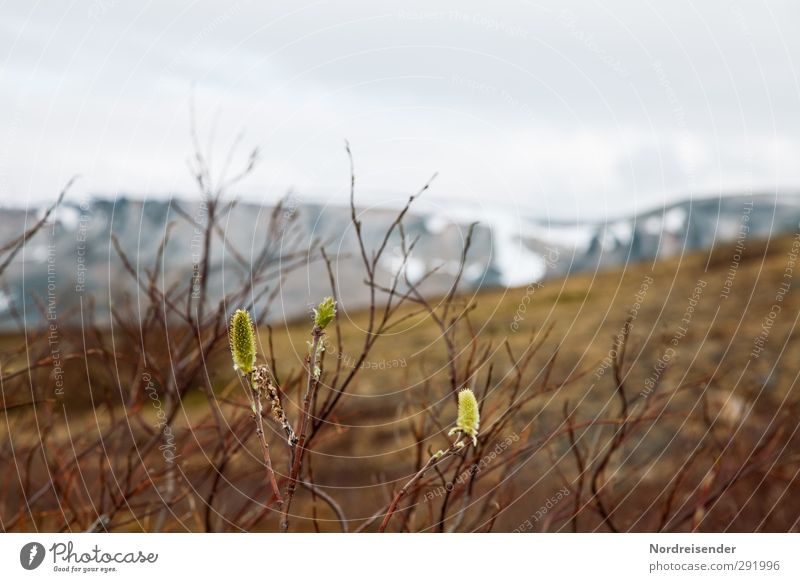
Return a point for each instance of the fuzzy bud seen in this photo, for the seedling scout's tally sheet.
(469, 417)
(243, 342)
(325, 313)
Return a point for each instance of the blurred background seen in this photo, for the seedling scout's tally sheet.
(589, 128)
(576, 150)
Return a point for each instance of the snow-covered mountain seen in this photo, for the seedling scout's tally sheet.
(72, 260)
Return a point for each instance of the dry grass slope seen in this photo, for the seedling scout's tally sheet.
(638, 404)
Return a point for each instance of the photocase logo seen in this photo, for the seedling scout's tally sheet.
(31, 555)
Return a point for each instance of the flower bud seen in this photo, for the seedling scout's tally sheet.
(469, 417)
(325, 313)
(243, 342)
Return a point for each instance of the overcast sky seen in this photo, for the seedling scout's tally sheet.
(564, 108)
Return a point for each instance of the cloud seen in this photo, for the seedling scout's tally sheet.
(559, 107)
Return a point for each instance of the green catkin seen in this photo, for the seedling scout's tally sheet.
(243, 342)
(469, 418)
(325, 313)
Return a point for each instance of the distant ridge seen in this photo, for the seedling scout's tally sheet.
(73, 258)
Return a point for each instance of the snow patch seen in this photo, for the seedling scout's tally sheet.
(411, 268)
(622, 231)
(517, 264)
(66, 215)
(5, 302)
(652, 224)
(436, 224)
(675, 219)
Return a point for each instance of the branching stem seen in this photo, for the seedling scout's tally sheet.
(434, 460)
(299, 448)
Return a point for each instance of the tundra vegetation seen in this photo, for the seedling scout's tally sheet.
(187, 413)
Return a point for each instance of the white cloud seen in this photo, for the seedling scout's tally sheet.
(562, 107)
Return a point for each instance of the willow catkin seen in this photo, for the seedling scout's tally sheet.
(243, 342)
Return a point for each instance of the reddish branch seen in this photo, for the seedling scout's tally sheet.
(433, 461)
(259, 421)
(299, 447)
